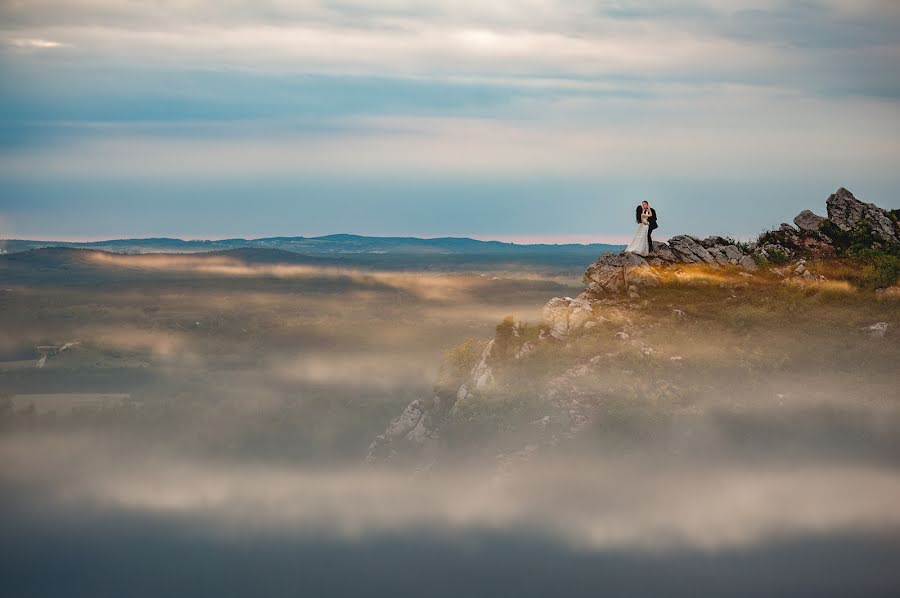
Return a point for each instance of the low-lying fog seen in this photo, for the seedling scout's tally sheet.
(231, 461)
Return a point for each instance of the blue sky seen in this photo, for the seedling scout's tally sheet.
(515, 119)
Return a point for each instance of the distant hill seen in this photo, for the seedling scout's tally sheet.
(352, 251)
(78, 265)
(327, 245)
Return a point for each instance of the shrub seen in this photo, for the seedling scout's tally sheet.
(855, 243)
(460, 360)
(882, 267)
(777, 256)
(503, 338)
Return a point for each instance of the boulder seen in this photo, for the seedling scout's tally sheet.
(747, 263)
(556, 316)
(849, 214)
(808, 221)
(614, 272)
(564, 315)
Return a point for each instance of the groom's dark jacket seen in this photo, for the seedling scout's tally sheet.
(651, 220)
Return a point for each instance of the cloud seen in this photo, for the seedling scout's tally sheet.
(715, 133)
(34, 43)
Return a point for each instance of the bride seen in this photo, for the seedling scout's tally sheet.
(639, 244)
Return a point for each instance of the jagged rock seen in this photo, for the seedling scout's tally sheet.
(415, 425)
(614, 272)
(849, 214)
(662, 253)
(808, 221)
(462, 393)
(788, 229)
(407, 420)
(689, 250)
(482, 374)
(713, 241)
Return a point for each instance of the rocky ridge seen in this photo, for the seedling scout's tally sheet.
(613, 283)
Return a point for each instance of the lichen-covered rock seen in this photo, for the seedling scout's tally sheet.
(849, 214)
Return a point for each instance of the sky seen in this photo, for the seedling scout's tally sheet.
(522, 120)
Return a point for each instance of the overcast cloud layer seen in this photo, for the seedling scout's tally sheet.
(523, 119)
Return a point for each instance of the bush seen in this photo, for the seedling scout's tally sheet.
(882, 268)
(856, 242)
(460, 360)
(894, 215)
(777, 256)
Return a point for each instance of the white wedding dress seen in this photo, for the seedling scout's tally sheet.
(639, 243)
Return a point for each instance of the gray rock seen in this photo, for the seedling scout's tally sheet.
(564, 315)
(408, 420)
(614, 272)
(788, 229)
(713, 241)
(848, 214)
(808, 221)
(662, 253)
(877, 330)
(689, 250)
(556, 316)
(747, 263)
(482, 374)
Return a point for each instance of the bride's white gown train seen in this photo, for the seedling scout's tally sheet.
(639, 243)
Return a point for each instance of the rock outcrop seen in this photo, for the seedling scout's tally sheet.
(612, 289)
(850, 215)
(623, 272)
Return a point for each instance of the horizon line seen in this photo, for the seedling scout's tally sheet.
(512, 239)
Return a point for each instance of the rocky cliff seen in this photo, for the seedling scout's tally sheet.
(610, 307)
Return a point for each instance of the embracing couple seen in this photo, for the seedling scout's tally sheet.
(642, 243)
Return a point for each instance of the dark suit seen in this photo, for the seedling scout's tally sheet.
(651, 221)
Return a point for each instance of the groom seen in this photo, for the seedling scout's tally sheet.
(651, 221)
